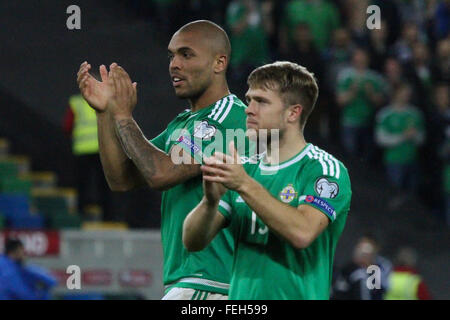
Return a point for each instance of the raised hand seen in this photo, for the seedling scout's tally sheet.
(96, 93)
(213, 191)
(124, 93)
(225, 169)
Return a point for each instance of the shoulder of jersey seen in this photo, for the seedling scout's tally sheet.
(184, 112)
(324, 163)
(225, 109)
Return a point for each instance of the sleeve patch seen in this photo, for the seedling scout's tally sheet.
(204, 130)
(326, 189)
(320, 204)
(189, 143)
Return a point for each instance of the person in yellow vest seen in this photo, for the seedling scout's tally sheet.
(93, 193)
(405, 283)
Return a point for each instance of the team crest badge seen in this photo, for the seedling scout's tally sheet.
(288, 194)
(204, 130)
(326, 189)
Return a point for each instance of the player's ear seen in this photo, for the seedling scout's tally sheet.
(221, 63)
(294, 112)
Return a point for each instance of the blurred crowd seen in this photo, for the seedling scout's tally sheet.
(384, 91)
(371, 276)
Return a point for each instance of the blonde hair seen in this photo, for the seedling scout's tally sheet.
(295, 84)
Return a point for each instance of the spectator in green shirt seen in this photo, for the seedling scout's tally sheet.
(360, 91)
(400, 131)
(249, 41)
(322, 17)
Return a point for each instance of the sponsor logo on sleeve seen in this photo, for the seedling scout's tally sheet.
(189, 143)
(321, 204)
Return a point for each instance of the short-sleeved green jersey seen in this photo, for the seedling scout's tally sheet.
(250, 45)
(198, 133)
(391, 125)
(322, 17)
(359, 111)
(265, 265)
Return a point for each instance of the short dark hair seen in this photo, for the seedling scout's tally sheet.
(295, 84)
(12, 244)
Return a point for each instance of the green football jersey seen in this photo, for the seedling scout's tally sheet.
(359, 111)
(200, 132)
(265, 265)
(390, 127)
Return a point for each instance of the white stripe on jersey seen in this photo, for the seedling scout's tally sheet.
(319, 156)
(338, 169)
(230, 105)
(225, 205)
(215, 109)
(222, 106)
(325, 156)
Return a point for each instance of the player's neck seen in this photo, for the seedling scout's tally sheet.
(213, 94)
(290, 144)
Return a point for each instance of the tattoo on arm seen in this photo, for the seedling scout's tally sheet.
(134, 143)
(148, 159)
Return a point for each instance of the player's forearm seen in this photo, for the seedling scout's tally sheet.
(201, 225)
(119, 170)
(155, 166)
(281, 218)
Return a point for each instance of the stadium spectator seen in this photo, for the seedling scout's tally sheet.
(442, 18)
(393, 72)
(403, 47)
(94, 197)
(304, 51)
(391, 18)
(378, 46)
(356, 20)
(405, 283)
(322, 16)
(413, 11)
(381, 261)
(418, 74)
(360, 91)
(249, 30)
(19, 281)
(337, 56)
(350, 282)
(441, 62)
(400, 131)
(272, 11)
